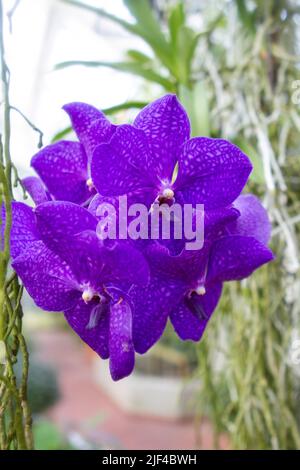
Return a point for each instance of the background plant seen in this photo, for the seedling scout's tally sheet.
(235, 76)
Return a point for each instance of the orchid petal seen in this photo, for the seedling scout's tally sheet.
(119, 167)
(152, 306)
(191, 316)
(36, 189)
(23, 231)
(63, 169)
(96, 337)
(212, 172)
(236, 257)
(254, 220)
(57, 221)
(167, 127)
(121, 351)
(48, 279)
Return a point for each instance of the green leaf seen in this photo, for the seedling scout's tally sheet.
(141, 70)
(257, 175)
(109, 111)
(176, 21)
(195, 100)
(146, 27)
(186, 45)
(143, 14)
(149, 28)
(138, 56)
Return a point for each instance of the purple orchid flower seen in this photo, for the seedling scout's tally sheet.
(188, 285)
(86, 279)
(64, 167)
(106, 290)
(141, 161)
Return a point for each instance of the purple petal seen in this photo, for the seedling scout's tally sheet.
(236, 257)
(70, 231)
(119, 167)
(90, 124)
(152, 306)
(95, 333)
(121, 351)
(82, 116)
(124, 263)
(110, 262)
(57, 221)
(167, 127)
(100, 132)
(188, 266)
(36, 189)
(85, 254)
(212, 172)
(24, 231)
(191, 316)
(98, 200)
(254, 220)
(48, 279)
(63, 169)
(217, 220)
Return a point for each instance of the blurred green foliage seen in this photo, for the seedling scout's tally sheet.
(48, 437)
(235, 75)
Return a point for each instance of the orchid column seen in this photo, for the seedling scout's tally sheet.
(15, 417)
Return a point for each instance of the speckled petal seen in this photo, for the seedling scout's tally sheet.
(70, 231)
(189, 265)
(152, 306)
(124, 263)
(217, 220)
(109, 262)
(96, 336)
(191, 316)
(63, 169)
(36, 189)
(57, 221)
(167, 127)
(236, 257)
(212, 172)
(91, 126)
(121, 351)
(100, 132)
(48, 279)
(253, 221)
(119, 167)
(23, 231)
(98, 200)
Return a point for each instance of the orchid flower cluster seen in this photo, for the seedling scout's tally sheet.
(118, 295)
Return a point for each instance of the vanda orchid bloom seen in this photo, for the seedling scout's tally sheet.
(85, 278)
(118, 295)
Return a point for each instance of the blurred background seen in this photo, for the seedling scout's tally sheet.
(235, 66)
